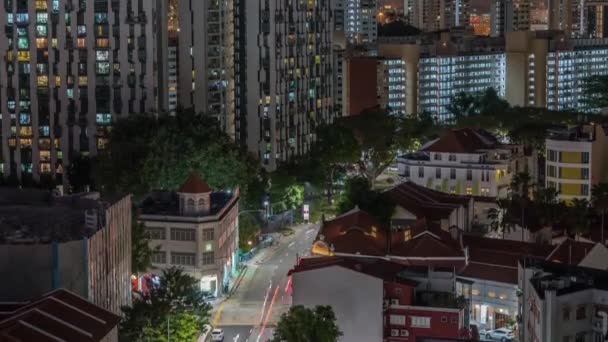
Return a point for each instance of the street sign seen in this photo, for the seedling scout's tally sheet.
(306, 212)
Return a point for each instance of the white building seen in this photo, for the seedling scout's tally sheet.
(461, 161)
(285, 84)
(195, 229)
(70, 69)
(562, 303)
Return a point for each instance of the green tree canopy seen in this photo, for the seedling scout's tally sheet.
(358, 192)
(147, 152)
(302, 324)
(595, 93)
(177, 300)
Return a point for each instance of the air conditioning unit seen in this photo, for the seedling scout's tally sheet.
(385, 303)
(394, 301)
(394, 332)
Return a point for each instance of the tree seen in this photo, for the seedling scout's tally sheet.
(502, 218)
(358, 193)
(580, 216)
(80, 173)
(461, 105)
(141, 253)
(249, 230)
(375, 131)
(333, 152)
(159, 152)
(599, 197)
(176, 301)
(301, 324)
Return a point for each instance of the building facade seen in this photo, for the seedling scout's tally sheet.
(70, 69)
(464, 161)
(574, 161)
(79, 242)
(286, 88)
(435, 15)
(198, 43)
(360, 21)
(195, 229)
(384, 306)
(562, 303)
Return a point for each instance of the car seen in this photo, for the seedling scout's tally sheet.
(217, 335)
(502, 335)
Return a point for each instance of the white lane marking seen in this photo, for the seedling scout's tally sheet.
(236, 338)
(291, 244)
(309, 231)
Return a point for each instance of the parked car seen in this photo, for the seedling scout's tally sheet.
(217, 335)
(502, 335)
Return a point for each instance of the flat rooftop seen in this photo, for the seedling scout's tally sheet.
(40, 216)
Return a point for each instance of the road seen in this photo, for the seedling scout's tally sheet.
(263, 293)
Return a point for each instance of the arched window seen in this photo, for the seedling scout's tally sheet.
(191, 202)
(201, 202)
(190, 207)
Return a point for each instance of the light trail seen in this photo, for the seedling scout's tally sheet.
(274, 297)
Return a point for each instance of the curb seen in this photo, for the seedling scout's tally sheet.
(238, 281)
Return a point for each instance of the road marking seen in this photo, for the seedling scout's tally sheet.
(218, 314)
(291, 244)
(236, 338)
(309, 231)
(264, 305)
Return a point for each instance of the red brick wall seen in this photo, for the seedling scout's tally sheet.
(362, 84)
(449, 329)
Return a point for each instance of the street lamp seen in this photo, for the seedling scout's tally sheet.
(249, 242)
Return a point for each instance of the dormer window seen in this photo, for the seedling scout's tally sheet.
(201, 202)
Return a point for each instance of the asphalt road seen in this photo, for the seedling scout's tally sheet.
(264, 293)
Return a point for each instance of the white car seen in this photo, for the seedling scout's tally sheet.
(502, 335)
(217, 335)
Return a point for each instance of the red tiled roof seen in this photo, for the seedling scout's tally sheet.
(502, 274)
(59, 315)
(424, 202)
(378, 268)
(194, 185)
(465, 140)
(570, 252)
(355, 232)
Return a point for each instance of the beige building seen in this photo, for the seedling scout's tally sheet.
(194, 228)
(575, 161)
(80, 242)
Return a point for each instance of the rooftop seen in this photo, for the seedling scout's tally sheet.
(424, 202)
(166, 203)
(194, 185)
(562, 278)
(57, 316)
(32, 215)
(464, 140)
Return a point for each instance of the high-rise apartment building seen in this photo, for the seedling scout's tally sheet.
(198, 47)
(285, 67)
(360, 21)
(69, 69)
(434, 15)
(443, 65)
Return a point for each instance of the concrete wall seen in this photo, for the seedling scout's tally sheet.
(28, 271)
(357, 308)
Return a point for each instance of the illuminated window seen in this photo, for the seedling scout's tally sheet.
(81, 43)
(82, 81)
(103, 43)
(492, 294)
(57, 81)
(469, 190)
(102, 68)
(25, 131)
(54, 43)
(41, 5)
(43, 81)
(42, 18)
(23, 56)
(41, 43)
(23, 43)
(41, 30)
(475, 292)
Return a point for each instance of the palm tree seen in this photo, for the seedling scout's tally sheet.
(520, 187)
(546, 205)
(599, 197)
(501, 218)
(580, 215)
